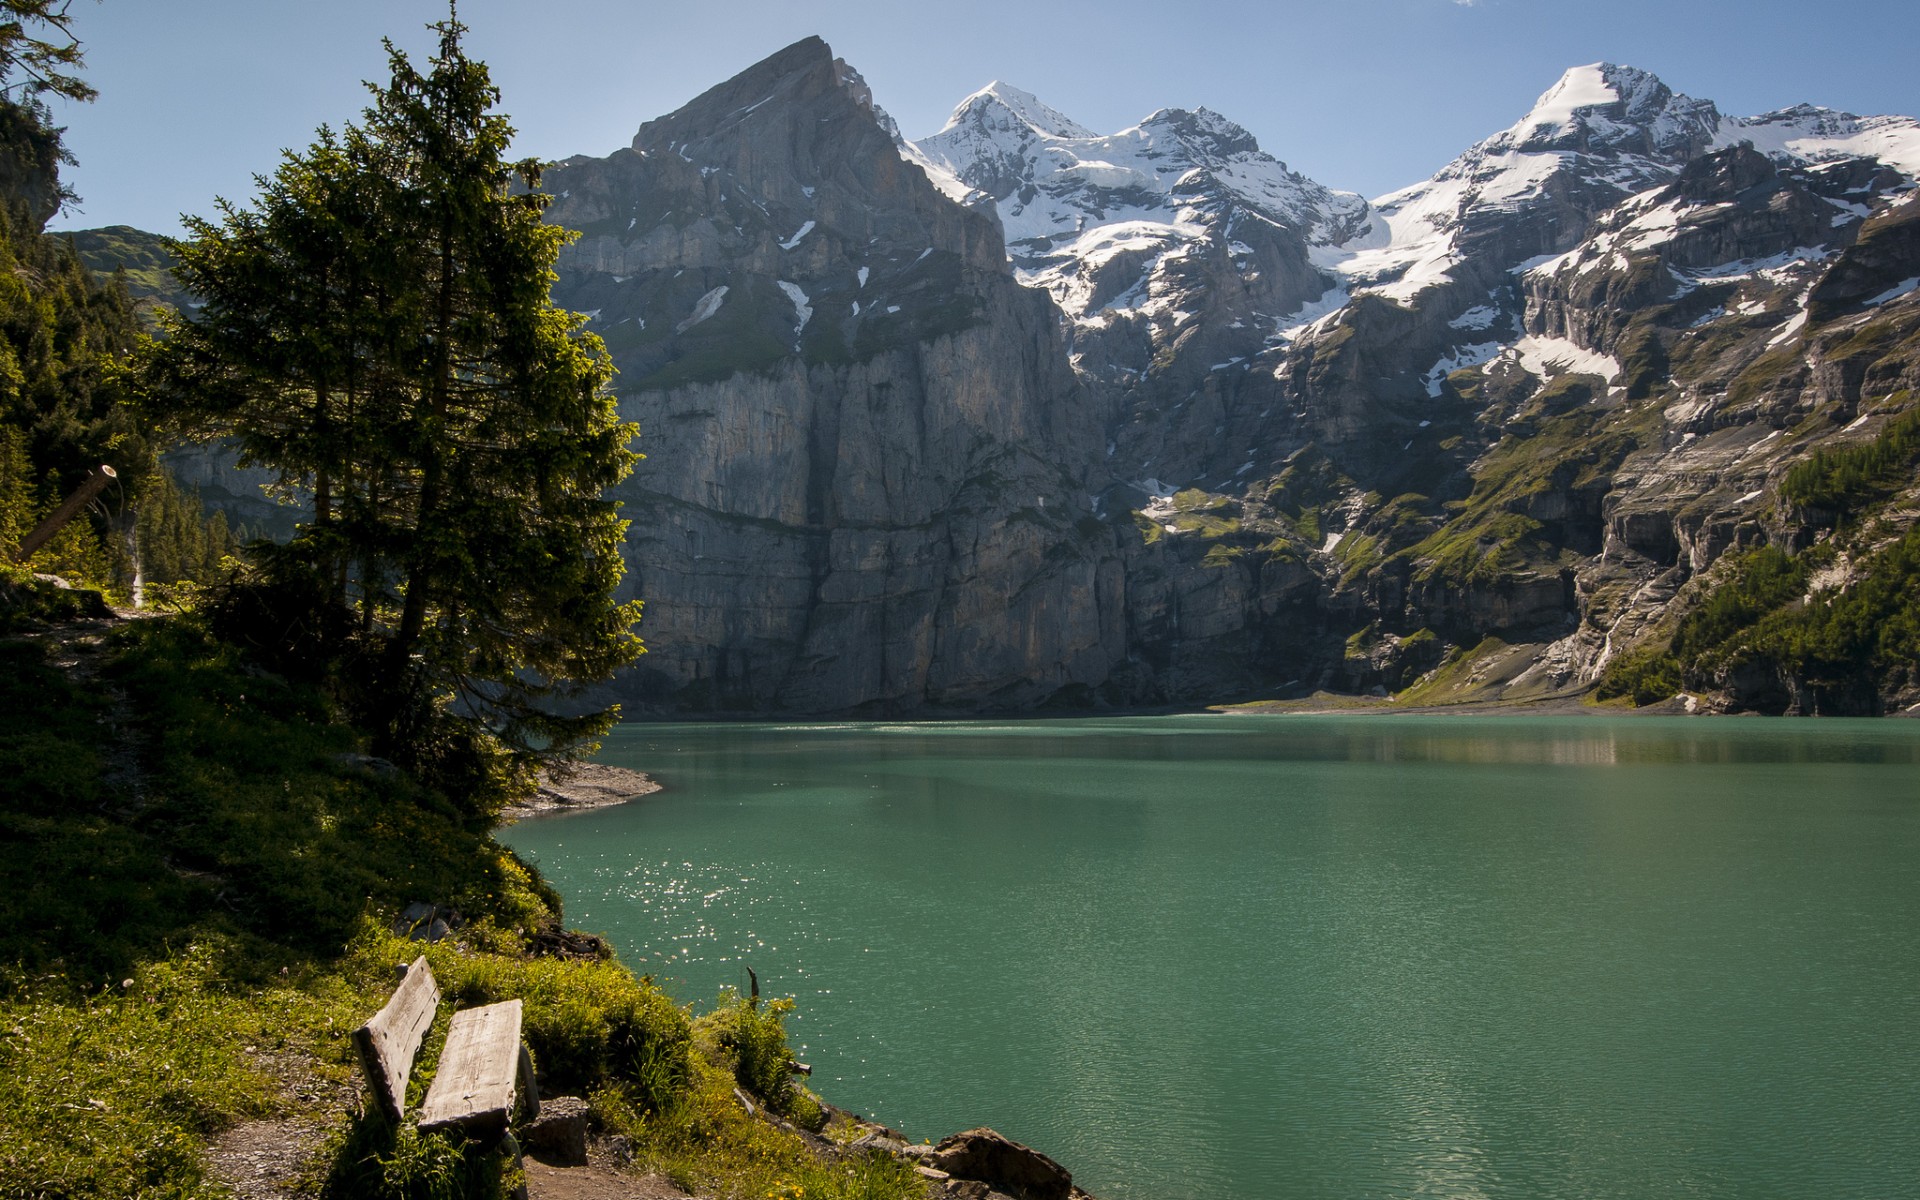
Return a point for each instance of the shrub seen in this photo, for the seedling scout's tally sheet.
(756, 1035)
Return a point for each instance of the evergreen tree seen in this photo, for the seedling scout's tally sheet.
(32, 65)
(61, 332)
(378, 329)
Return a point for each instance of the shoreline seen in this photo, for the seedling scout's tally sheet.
(1574, 704)
(583, 787)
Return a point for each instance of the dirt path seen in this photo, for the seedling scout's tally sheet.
(267, 1160)
(596, 1183)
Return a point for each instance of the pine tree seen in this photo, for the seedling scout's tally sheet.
(61, 333)
(378, 328)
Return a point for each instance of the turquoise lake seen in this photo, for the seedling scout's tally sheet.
(1214, 957)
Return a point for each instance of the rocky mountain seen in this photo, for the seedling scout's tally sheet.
(1021, 414)
(1525, 402)
(870, 465)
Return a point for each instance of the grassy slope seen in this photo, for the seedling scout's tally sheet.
(196, 876)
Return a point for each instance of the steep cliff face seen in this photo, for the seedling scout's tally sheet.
(870, 468)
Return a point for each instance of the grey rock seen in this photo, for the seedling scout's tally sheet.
(558, 1136)
(1003, 1164)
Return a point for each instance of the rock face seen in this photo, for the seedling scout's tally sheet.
(870, 466)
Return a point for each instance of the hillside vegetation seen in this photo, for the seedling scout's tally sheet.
(200, 875)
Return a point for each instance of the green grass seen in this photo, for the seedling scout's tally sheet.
(705, 1142)
(1490, 535)
(109, 1092)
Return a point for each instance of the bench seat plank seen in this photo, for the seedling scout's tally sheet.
(387, 1043)
(473, 1087)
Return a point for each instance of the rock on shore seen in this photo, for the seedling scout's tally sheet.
(582, 786)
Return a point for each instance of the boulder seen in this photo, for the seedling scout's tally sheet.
(1005, 1165)
(558, 1136)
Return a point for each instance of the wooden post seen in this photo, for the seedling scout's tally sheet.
(82, 495)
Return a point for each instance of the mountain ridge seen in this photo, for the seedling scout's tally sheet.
(1021, 415)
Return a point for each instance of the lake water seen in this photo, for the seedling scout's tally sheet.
(1239, 957)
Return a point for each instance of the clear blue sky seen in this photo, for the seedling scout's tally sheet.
(196, 96)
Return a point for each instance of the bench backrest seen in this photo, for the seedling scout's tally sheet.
(387, 1043)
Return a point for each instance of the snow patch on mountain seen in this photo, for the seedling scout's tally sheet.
(1069, 200)
(802, 310)
(703, 308)
(1462, 356)
(1312, 317)
(1807, 134)
(1548, 357)
(1904, 288)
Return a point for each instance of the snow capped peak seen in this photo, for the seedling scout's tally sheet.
(998, 102)
(1074, 204)
(1580, 87)
(1605, 107)
(1205, 133)
(1605, 129)
(1052, 177)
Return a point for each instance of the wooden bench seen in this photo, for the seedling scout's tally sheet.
(480, 1065)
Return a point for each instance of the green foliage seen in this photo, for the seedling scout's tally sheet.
(708, 1144)
(373, 1159)
(17, 508)
(1646, 676)
(377, 329)
(590, 1023)
(59, 336)
(1867, 633)
(1849, 479)
(38, 52)
(1855, 642)
(259, 841)
(108, 1093)
(28, 603)
(1491, 536)
(1196, 501)
(1209, 515)
(755, 1034)
(180, 543)
(1761, 581)
(61, 333)
(255, 816)
(1309, 481)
